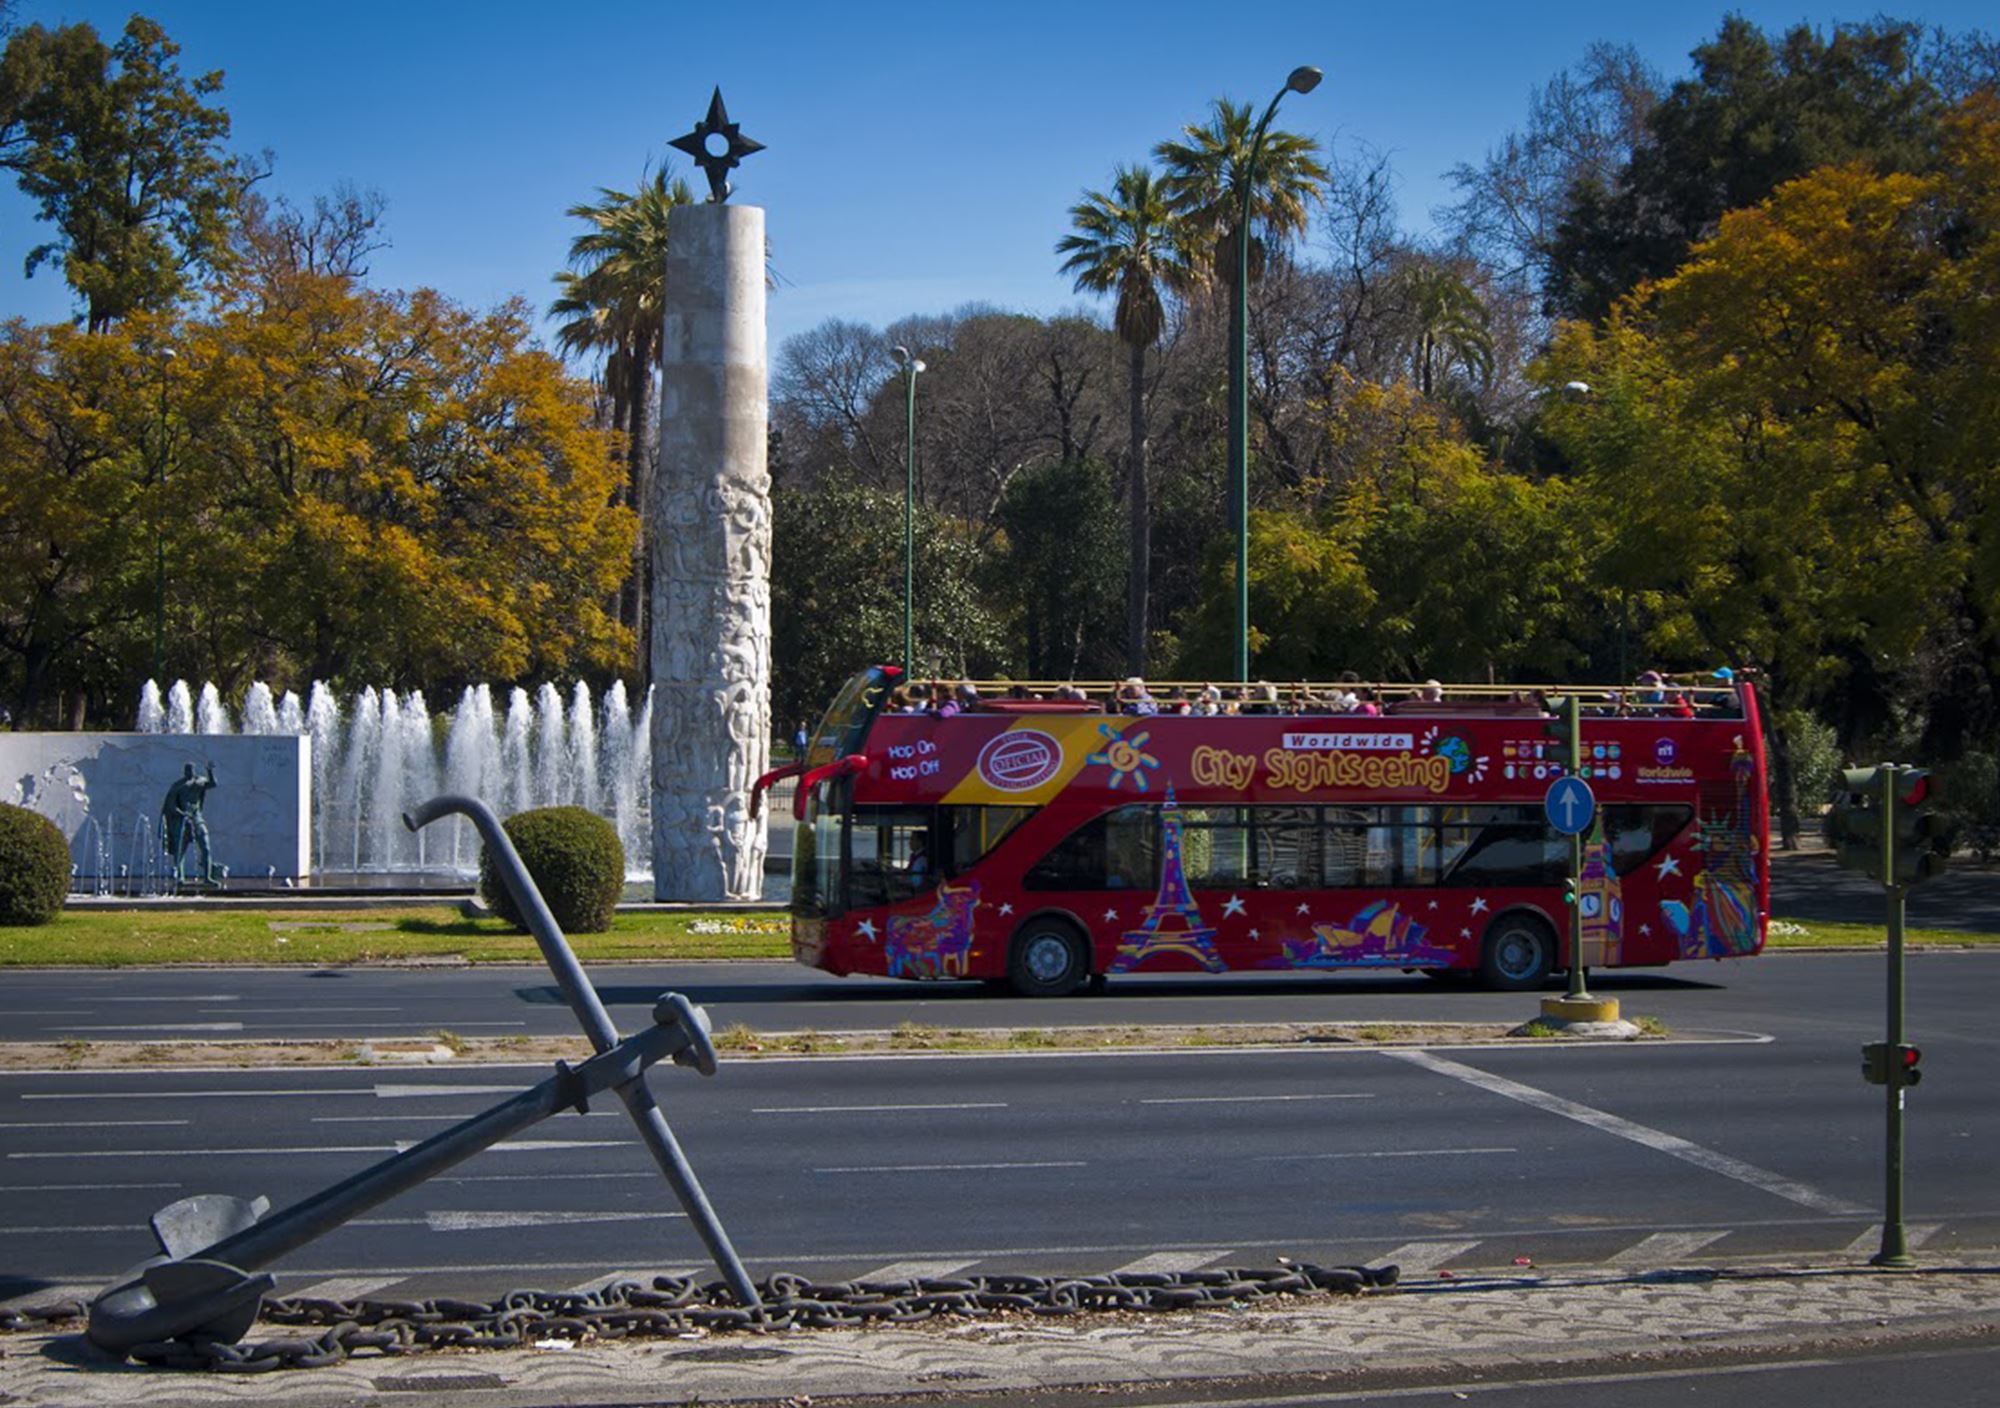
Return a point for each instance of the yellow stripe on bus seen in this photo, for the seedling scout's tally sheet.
(1076, 737)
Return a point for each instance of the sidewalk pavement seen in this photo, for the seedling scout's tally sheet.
(1436, 1330)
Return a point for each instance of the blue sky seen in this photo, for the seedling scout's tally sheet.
(921, 155)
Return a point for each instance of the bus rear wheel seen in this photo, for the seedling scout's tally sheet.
(1518, 954)
(1049, 958)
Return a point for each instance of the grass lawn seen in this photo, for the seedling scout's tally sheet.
(1818, 934)
(111, 939)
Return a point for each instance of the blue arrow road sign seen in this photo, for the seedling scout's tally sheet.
(1570, 805)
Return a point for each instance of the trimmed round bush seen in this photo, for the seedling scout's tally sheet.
(34, 867)
(575, 860)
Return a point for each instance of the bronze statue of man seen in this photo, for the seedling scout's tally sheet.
(181, 821)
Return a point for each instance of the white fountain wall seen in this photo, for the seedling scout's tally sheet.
(376, 755)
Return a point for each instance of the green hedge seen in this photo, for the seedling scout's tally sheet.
(34, 867)
(575, 860)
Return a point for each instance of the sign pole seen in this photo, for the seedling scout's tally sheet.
(1895, 1250)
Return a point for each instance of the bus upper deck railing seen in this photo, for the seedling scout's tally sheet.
(1709, 695)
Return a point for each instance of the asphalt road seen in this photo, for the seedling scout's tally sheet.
(1754, 1137)
(1833, 995)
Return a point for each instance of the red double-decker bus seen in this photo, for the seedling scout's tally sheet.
(1051, 842)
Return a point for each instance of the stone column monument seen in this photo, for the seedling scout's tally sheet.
(711, 550)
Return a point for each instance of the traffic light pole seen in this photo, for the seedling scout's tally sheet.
(1579, 976)
(1895, 1239)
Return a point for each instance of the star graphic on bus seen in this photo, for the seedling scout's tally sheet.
(1234, 906)
(1478, 904)
(1126, 757)
(1005, 910)
(1110, 916)
(866, 928)
(1302, 909)
(1668, 866)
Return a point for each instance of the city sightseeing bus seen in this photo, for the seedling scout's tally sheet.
(1051, 843)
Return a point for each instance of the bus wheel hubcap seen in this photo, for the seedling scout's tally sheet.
(1048, 958)
(1517, 954)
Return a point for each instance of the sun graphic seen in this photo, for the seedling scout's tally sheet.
(1126, 757)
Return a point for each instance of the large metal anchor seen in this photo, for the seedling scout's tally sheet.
(206, 1284)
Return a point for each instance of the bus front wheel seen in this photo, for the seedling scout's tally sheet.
(1049, 959)
(1519, 953)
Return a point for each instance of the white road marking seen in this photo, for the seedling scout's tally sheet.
(947, 1168)
(344, 1287)
(1870, 1242)
(157, 1027)
(395, 1092)
(1424, 1256)
(933, 1269)
(540, 1177)
(484, 1221)
(1672, 1144)
(261, 1010)
(198, 997)
(1247, 1099)
(872, 1109)
(1385, 1154)
(435, 1117)
(517, 1146)
(1663, 1247)
(92, 1124)
(253, 1093)
(76, 1187)
(1173, 1261)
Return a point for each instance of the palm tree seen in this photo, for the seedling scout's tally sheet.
(611, 301)
(1446, 325)
(1128, 242)
(1206, 175)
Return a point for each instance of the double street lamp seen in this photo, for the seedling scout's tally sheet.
(1303, 79)
(911, 366)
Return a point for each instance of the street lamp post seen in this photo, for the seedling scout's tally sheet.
(1302, 79)
(911, 367)
(159, 535)
(1579, 975)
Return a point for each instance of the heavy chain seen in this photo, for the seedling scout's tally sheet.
(681, 1307)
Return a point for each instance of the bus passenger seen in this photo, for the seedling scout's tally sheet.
(1431, 693)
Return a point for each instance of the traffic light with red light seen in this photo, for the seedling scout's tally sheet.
(1880, 1062)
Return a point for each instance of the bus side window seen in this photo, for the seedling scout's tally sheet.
(1509, 845)
(972, 832)
(1215, 847)
(1117, 851)
(1356, 848)
(893, 857)
(1637, 833)
(1286, 845)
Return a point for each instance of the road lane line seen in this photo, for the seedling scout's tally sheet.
(1384, 1154)
(435, 1117)
(92, 1124)
(920, 1270)
(343, 1288)
(257, 1093)
(397, 1092)
(202, 1011)
(1424, 1256)
(1663, 1247)
(487, 1221)
(155, 1027)
(543, 1177)
(1160, 1262)
(1791, 1190)
(76, 1187)
(1246, 1099)
(873, 1109)
(517, 1146)
(948, 1168)
(1870, 1242)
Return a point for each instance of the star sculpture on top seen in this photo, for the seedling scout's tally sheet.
(716, 165)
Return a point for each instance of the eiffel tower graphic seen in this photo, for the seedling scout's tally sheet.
(1174, 904)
